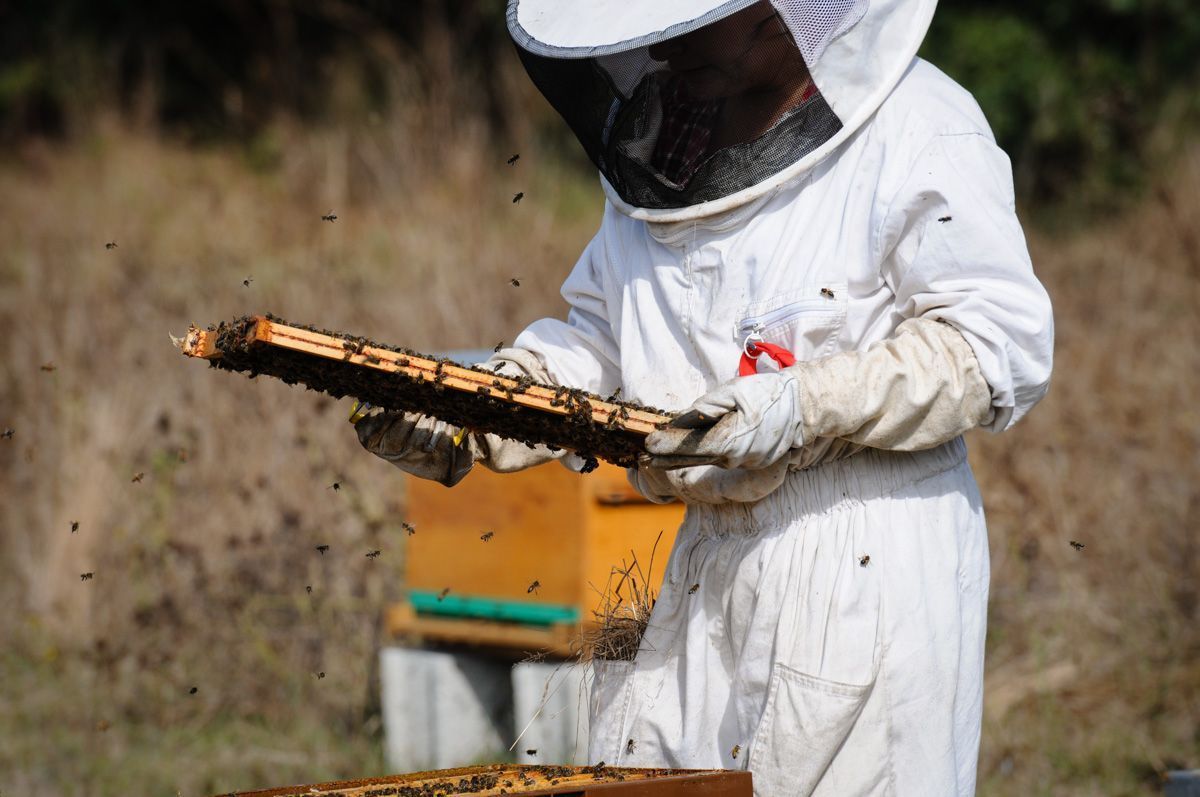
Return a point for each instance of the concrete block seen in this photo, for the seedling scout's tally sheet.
(443, 709)
(550, 704)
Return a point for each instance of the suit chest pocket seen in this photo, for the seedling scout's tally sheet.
(806, 321)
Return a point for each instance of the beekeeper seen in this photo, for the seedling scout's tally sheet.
(809, 238)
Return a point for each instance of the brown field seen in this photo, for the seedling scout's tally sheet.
(201, 567)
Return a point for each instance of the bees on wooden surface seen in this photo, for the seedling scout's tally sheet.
(692, 589)
(330, 217)
(737, 748)
(48, 367)
(487, 535)
(513, 159)
(615, 395)
(864, 560)
(137, 477)
(74, 526)
(322, 549)
(630, 746)
(827, 293)
(442, 595)
(517, 197)
(515, 282)
(373, 554)
(246, 282)
(410, 528)
(193, 690)
(945, 219)
(533, 587)
(86, 576)
(1079, 546)
(8, 433)
(110, 245)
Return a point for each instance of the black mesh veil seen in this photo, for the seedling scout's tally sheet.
(695, 117)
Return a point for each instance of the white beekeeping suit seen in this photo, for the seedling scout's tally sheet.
(787, 178)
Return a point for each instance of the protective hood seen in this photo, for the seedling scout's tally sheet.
(690, 108)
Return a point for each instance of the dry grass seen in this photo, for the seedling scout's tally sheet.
(623, 612)
(201, 568)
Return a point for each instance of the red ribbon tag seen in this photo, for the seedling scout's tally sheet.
(749, 364)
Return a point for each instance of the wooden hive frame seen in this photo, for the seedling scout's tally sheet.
(608, 417)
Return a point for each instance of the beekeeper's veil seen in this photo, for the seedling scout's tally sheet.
(694, 107)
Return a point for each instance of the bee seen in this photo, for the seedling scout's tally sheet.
(193, 690)
(442, 595)
(498, 346)
(137, 477)
(308, 588)
(335, 486)
(320, 675)
(737, 748)
(517, 197)
(246, 282)
(945, 219)
(1079, 546)
(487, 535)
(533, 587)
(410, 528)
(864, 560)
(630, 746)
(373, 554)
(515, 282)
(48, 367)
(827, 293)
(531, 751)
(692, 589)
(86, 576)
(8, 433)
(615, 394)
(330, 217)
(513, 159)
(111, 245)
(322, 549)
(74, 526)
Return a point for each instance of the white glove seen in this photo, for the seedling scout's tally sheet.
(425, 447)
(917, 389)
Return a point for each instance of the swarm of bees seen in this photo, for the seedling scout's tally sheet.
(1079, 546)
(533, 587)
(330, 217)
(373, 554)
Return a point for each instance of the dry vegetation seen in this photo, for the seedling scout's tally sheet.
(201, 568)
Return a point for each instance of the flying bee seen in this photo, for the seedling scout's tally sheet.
(48, 367)
(137, 477)
(111, 245)
(737, 748)
(515, 282)
(533, 587)
(330, 217)
(1079, 546)
(513, 159)
(320, 675)
(864, 560)
(373, 554)
(308, 588)
(945, 219)
(193, 690)
(410, 528)
(827, 293)
(335, 486)
(517, 197)
(322, 549)
(630, 746)
(86, 576)
(498, 346)
(531, 751)
(8, 433)
(692, 589)
(74, 526)
(442, 595)
(246, 282)
(487, 535)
